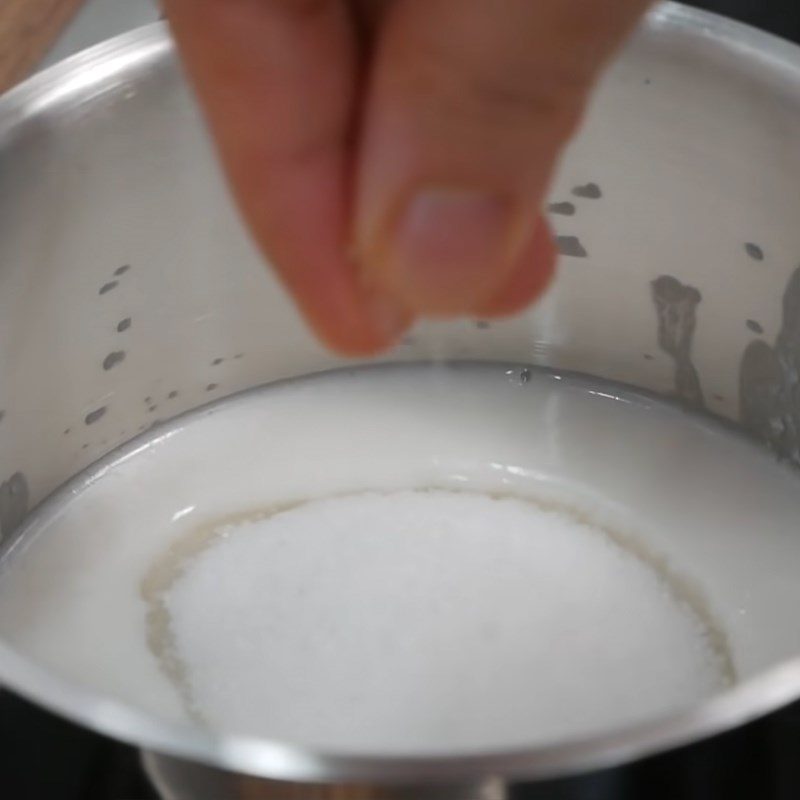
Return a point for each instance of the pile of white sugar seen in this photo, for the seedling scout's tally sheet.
(428, 621)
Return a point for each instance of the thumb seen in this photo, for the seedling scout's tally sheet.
(469, 106)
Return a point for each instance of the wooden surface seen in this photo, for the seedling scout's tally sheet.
(27, 30)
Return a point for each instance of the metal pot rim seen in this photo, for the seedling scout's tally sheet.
(102, 67)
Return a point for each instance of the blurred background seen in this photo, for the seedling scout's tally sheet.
(45, 758)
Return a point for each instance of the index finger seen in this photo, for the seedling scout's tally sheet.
(277, 81)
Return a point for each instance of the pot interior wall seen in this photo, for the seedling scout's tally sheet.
(129, 291)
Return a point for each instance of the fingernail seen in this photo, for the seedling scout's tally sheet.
(447, 248)
(389, 318)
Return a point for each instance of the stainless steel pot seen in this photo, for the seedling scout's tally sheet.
(125, 276)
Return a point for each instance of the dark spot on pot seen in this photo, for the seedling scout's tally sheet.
(112, 359)
(648, 357)
(122, 270)
(238, 356)
(482, 324)
(151, 409)
(216, 362)
(173, 394)
(107, 287)
(754, 251)
(570, 246)
(211, 387)
(123, 324)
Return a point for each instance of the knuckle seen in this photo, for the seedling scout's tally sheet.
(451, 84)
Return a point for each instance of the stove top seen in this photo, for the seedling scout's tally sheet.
(43, 757)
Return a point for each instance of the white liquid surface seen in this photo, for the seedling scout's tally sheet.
(408, 560)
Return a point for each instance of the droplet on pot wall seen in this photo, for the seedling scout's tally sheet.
(589, 191)
(754, 326)
(112, 359)
(754, 251)
(94, 416)
(565, 209)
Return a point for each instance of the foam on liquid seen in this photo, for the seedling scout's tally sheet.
(392, 561)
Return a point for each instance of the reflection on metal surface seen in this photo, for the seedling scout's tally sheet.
(676, 304)
(181, 780)
(98, 75)
(14, 496)
(769, 382)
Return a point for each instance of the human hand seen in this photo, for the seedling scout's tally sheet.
(391, 156)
